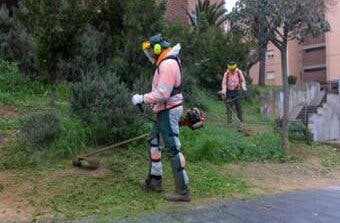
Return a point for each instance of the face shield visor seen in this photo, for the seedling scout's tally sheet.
(146, 46)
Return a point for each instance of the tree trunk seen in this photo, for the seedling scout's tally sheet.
(53, 95)
(284, 133)
(262, 70)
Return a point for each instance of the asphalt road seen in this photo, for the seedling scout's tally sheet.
(315, 206)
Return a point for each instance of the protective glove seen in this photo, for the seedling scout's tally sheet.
(244, 88)
(137, 99)
(222, 95)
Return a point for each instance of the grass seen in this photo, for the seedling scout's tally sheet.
(8, 124)
(328, 155)
(118, 194)
(114, 191)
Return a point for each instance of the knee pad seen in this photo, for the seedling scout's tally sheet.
(155, 154)
(181, 159)
(153, 142)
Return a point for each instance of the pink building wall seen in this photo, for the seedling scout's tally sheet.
(295, 53)
(333, 42)
(273, 65)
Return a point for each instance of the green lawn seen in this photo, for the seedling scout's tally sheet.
(53, 185)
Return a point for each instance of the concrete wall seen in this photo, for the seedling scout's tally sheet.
(325, 125)
(300, 95)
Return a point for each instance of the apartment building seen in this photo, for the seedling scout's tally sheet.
(316, 59)
(176, 9)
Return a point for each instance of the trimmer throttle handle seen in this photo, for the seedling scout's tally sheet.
(140, 106)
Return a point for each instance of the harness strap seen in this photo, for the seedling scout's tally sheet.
(175, 90)
(239, 79)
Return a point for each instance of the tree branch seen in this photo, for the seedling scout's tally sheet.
(278, 32)
(277, 43)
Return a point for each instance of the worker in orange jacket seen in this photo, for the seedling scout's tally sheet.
(166, 100)
(232, 85)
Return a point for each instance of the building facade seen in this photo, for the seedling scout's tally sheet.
(316, 59)
(176, 10)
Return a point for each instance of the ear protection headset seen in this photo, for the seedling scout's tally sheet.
(158, 44)
(157, 49)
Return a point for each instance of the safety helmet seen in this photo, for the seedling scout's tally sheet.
(154, 47)
(232, 65)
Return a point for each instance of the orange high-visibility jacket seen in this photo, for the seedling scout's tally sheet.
(166, 77)
(233, 80)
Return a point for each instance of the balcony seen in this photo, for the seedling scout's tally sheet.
(310, 42)
(314, 57)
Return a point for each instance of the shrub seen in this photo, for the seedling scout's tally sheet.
(13, 84)
(16, 45)
(39, 130)
(209, 51)
(299, 132)
(191, 92)
(72, 138)
(95, 50)
(103, 102)
(10, 79)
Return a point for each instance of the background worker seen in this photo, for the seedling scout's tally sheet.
(166, 99)
(232, 84)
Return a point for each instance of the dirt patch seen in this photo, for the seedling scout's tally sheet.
(8, 111)
(13, 208)
(13, 205)
(269, 177)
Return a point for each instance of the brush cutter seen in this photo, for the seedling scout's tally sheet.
(241, 126)
(89, 161)
(194, 119)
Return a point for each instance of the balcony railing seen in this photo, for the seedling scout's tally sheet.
(314, 41)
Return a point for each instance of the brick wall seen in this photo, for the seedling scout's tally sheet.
(316, 75)
(314, 57)
(176, 9)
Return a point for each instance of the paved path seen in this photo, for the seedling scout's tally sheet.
(316, 206)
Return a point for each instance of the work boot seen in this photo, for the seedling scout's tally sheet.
(185, 196)
(152, 184)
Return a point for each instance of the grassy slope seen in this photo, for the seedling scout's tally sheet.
(114, 190)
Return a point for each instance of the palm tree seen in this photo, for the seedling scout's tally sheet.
(214, 14)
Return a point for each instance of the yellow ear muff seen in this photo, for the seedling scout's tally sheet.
(157, 49)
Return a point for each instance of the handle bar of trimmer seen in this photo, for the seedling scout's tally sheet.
(140, 106)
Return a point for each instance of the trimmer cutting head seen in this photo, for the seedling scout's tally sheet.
(89, 163)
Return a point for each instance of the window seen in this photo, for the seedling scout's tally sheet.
(270, 54)
(270, 75)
